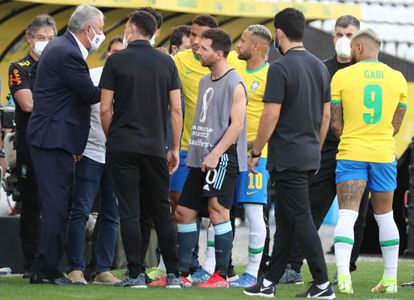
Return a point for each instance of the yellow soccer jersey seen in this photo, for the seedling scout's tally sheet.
(370, 92)
(255, 81)
(190, 72)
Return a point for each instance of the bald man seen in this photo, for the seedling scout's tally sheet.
(369, 100)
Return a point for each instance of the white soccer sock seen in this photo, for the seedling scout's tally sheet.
(389, 238)
(344, 239)
(210, 261)
(257, 236)
(323, 285)
(161, 265)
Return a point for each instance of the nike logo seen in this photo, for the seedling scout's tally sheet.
(317, 294)
(250, 193)
(265, 289)
(188, 72)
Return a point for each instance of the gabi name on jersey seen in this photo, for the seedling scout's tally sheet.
(373, 74)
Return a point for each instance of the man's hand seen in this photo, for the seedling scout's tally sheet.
(3, 165)
(173, 160)
(253, 162)
(210, 162)
(77, 157)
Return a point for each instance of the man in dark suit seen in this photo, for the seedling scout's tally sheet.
(58, 131)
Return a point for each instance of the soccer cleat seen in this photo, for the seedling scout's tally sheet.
(314, 292)
(200, 276)
(231, 275)
(260, 290)
(156, 274)
(408, 284)
(345, 284)
(291, 276)
(173, 282)
(215, 281)
(160, 282)
(186, 281)
(65, 281)
(386, 285)
(245, 281)
(137, 283)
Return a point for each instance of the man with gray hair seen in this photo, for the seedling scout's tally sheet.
(58, 131)
(369, 101)
(39, 32)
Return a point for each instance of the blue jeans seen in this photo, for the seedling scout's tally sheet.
(90, 176)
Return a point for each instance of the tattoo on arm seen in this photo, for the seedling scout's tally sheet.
(337, 121)
(398, 118)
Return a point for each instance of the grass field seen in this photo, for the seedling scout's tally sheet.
(364, 279)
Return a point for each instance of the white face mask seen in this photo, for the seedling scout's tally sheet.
(39, 47)
(343, 47)
(125, 40)
(96, 41)
(152, 41)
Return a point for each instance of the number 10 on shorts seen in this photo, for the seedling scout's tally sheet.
(255, 181)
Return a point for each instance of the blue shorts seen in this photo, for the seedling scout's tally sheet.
(252, 188)
(178, 178)
(380, 177)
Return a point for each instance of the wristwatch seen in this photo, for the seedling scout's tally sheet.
(254, 155)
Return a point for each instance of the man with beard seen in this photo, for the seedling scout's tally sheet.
(216, 155)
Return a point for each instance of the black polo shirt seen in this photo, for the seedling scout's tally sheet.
(141, 78)
(300, 82)
(19, 79)
(332, 141)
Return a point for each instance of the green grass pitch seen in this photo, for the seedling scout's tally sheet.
(366, 277)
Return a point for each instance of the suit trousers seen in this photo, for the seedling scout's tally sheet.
(293, 219)
(134, 175)
(54, 176)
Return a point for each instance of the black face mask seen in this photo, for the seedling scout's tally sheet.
(277, 46)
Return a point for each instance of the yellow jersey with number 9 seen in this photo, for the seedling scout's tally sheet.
(190, 72)
(255, 81)
(369, 92)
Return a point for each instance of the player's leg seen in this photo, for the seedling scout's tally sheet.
(382, 184)
(351, 179)
(252, 194)
(203, 273)
(177, 181)
(176, 186)
(257, 235)
(219, 189)
(210, 260)
(186, 217)
(359, 229)
(223, 238)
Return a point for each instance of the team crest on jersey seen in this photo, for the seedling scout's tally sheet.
(255, 85)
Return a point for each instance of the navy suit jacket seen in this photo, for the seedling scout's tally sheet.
(62, 95)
